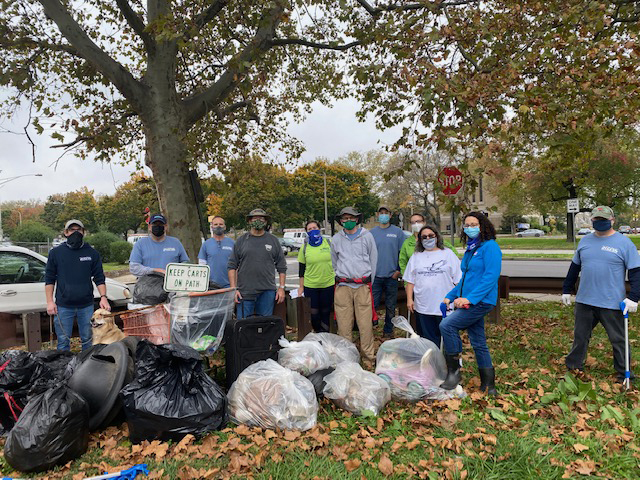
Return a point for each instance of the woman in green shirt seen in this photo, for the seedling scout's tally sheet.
(317, 278)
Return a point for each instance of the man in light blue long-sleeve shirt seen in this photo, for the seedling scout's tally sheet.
(153, 253)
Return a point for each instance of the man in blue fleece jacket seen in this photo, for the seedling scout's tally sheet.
(71, 267)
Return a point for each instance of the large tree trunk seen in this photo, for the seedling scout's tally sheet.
(167, 158)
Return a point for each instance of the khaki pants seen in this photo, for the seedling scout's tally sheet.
(350, 302)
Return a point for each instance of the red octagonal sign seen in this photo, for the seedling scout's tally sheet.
(451, 180)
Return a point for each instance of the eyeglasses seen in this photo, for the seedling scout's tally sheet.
(429, 237)
(466, 225)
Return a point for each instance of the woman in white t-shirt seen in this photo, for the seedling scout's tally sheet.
(431, 273)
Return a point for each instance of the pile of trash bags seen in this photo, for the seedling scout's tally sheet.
(305, 357)
(149, 290)
(53, 400)
(354, 389)
(339, 349)
(413, 367)
(269, 395)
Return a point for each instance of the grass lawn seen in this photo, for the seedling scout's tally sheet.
(543, 243)
(542, 425)
(560, 256)
(110, 267)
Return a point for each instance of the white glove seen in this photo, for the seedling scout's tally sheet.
(630, 306)
(566, 299)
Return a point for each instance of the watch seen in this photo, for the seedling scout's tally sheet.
(281, 286)
(101, 296)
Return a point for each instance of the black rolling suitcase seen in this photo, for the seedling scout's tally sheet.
(250, 340)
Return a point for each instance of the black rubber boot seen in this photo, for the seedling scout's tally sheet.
(488, 380)
(453, 372)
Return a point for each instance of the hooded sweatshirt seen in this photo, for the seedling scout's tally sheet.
(354, 257)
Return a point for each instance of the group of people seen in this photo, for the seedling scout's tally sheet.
(349, 274)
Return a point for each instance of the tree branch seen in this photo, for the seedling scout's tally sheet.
(434, 6)
(209, 14)
(115, 72)
(197, 106)
(305, 43)
(31, 43)
(105, 129)
(136, 22)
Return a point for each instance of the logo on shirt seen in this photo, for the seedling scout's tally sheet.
(227, 248)
(609, 249)
(85, 259)
(169, 249)
(392, 235)
(433, 270)
(268, 247)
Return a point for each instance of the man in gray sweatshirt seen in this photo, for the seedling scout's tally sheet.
(354, 257)
(255, 258)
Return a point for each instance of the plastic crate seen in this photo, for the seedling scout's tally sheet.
(152, 323)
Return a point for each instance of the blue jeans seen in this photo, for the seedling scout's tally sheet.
(64, 326)
(388, 286)
(428, 326)
(472, 320)
(261, 305)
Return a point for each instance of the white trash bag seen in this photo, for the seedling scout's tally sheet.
(339, 349)
(414, 367)
(304, 357)
(268, 395)
(356, 390)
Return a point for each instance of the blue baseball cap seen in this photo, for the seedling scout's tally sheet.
(157, 217)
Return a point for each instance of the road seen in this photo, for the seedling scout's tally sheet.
(511, 268)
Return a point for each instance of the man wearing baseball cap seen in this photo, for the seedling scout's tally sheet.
(153, 253)
(71, 268)
(602, 260)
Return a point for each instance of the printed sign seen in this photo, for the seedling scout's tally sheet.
(185, 277)
(573, 206)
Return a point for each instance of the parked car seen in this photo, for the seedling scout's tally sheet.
(585, 231)
(22, 283)
(531, 232)
(292, 244)
(624, 229)
(285, 248)
(295, 235)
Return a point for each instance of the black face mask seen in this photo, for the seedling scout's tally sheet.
(157, 230)
(75, 240)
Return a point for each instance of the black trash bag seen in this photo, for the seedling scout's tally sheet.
(171, 395)
(317, 379)
(21, 374)
(57, 361)
(149, 290)
(52, 430)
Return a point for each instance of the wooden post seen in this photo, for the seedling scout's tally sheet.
(303, 308)
(8, 334)
(32, 334)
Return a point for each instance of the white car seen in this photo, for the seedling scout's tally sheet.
(22, 283)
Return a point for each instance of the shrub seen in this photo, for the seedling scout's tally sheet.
(102, 241)
(32, 231)
(119, 251)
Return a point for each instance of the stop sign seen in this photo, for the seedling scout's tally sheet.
(451, 180)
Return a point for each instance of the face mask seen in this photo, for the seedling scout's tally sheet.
(384, 218)
(472, 232)
(429, 243)
(75, 240)
(601, 225)
(415, 227)
(218, 230)
(258, 224)
(349, 224)
(315, 238)
(157, 230)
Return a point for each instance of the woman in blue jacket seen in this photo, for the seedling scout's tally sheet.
(473, 297)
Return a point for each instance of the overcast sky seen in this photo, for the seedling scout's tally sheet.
(327, 132)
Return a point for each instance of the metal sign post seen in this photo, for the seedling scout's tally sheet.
(573, 207)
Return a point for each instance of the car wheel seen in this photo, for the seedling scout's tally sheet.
(519, 236)
(537, 234)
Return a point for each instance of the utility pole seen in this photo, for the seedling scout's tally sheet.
(326, 211)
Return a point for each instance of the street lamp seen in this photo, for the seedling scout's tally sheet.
(3, 182)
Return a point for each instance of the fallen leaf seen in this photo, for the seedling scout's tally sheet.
(184, 443)
(385, 465)
(578, 447)
(352, 464)
(291, 435)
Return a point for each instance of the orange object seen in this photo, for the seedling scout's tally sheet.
(152, 323)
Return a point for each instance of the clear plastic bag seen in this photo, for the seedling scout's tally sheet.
(268, 395)
(339, 349)
(356, 390)
(414, 367)
(198, 320)
(303, 357)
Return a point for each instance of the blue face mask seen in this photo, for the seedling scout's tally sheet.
(602, 225)
(472, 232)
(384, 218)
(315, 238)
